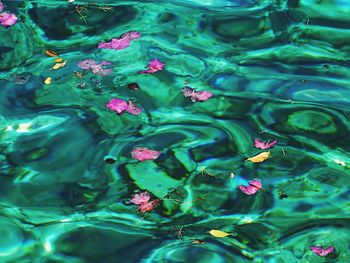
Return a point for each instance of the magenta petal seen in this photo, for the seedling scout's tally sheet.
(246, 190)
(117, 105)
(1, 6)
(143, 154)
(253, 187)
(140, 198)
(104, 45)
(156, 65)
(322, 252)
(263, 145)
(118, 44)
(7, 19)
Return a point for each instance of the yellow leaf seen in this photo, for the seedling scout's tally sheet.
(218, 233)
(48, 81)
(59, 65)
(58, 60)
(260, 157)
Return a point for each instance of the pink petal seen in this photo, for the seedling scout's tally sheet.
(133, 108)
(154, 66)
(7, 19)
(120, 43)
(105, 72)
(188, 92)
(140, 198)
(322, 252)
(87, 64)
(253, 187)
(1, 6)
(131, 35)
(256, 183)
(247, 190)
(202, 95)
(143, 154)
(145, 207)
(117, 105)
(196, 95)
(264, 145)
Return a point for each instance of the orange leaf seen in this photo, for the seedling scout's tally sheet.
(260, 157)
(51, 53)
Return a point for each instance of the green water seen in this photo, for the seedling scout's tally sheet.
(278, 70)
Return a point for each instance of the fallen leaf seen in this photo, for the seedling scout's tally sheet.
(260, 157)
(48, 81)
(59, 65)
(50, 53)
(218, 233)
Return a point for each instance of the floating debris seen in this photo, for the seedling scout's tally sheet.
(144, 154)
(7, 19)
(110, 160)
(253, 187)
(194, 95)
(259, 158)
(48, 81)
(322, 252)
(120, 105)
(154, 66)
(218, 233)
(51, 53)
(121, 42)
(133, 86)
(59, 65)
(264, 145)
(143, 199)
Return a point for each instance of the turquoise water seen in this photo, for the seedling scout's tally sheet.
(278, 70)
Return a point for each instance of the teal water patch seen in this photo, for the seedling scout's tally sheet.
(277, 70)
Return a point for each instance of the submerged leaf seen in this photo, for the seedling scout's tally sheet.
(218, 233)
(260, 157)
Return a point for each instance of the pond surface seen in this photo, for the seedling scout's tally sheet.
(271, 70)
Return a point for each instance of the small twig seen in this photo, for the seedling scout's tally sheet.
(77, 9)
(140, 219)
(206, 172)
(105, 8)
(283, 152)
(180, 233)
(263, 131)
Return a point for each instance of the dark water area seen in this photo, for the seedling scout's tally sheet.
(276, 69)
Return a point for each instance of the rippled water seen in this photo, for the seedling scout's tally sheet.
(278, 70)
